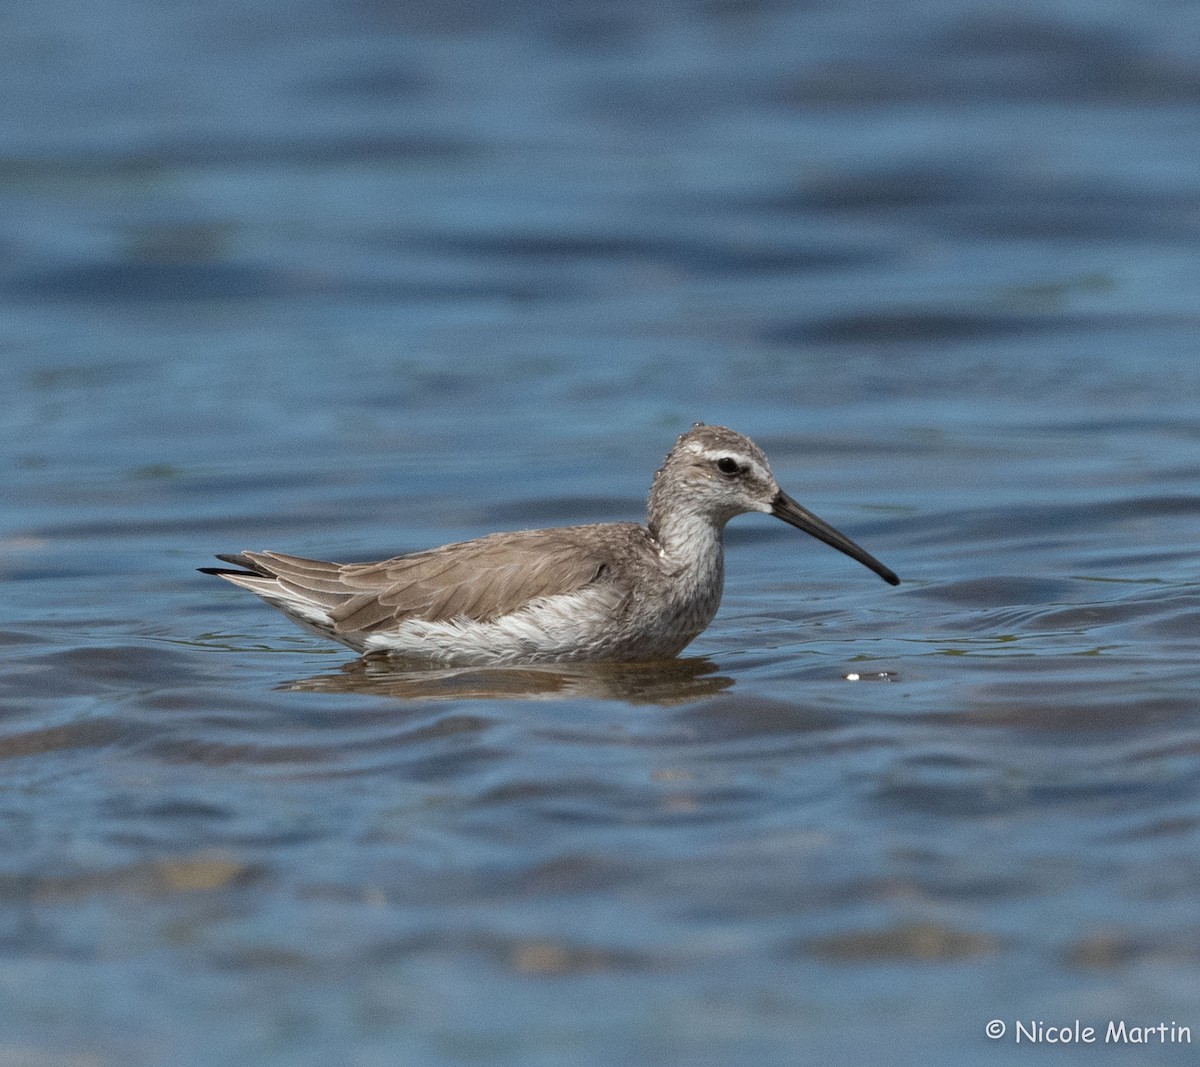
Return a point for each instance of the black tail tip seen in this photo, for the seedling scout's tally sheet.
(242, 564)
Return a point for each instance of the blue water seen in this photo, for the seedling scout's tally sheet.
(350, 280)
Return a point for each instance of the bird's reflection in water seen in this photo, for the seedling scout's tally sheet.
(665, 682)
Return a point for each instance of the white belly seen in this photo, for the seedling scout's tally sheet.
(580, 625)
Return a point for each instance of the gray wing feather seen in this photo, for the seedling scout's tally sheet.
(480, 580)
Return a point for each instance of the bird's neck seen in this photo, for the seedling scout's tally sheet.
(693, 561)
(689, 540)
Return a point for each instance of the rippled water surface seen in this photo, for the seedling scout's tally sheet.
(349, 280)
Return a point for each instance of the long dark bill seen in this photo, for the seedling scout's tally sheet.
(784, 507)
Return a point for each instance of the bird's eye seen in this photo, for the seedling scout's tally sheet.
(728, 467)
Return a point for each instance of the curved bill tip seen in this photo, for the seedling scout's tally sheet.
(784, 507)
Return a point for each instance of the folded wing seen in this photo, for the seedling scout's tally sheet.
(479, 580)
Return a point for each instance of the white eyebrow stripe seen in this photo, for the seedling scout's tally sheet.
(739, 457)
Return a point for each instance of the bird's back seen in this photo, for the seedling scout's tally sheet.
(477, 582)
